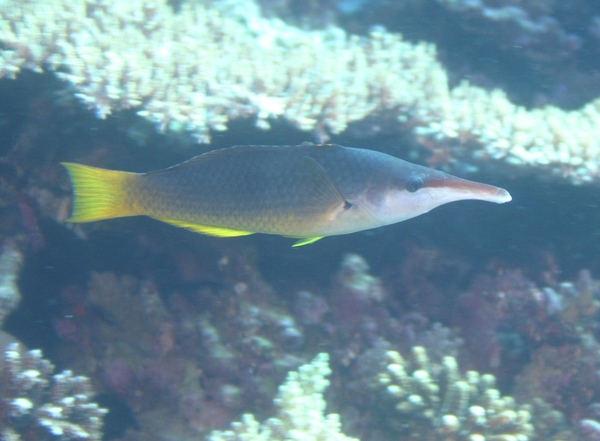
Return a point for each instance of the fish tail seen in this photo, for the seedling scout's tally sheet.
(98, 193)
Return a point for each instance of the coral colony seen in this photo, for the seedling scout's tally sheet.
(11, 260)
(300, 411)
(34, 404)
(241, 68)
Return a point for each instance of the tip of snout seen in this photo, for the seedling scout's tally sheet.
(488, 193)
(502, 196)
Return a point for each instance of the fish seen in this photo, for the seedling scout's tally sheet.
(307, 192)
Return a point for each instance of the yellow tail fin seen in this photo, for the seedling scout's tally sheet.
(98, 193)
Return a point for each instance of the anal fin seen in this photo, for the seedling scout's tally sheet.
(206, 229)
(307, 241)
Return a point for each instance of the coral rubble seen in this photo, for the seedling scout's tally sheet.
(36, 405)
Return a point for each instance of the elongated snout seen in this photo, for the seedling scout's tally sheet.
(457, 189)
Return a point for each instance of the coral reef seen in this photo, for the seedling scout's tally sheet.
(540, 52)
(300, 411)
(188, 355)
(182, 334)
(119, 332)
(198, 355)
(332, 80)
(565, 377)
(364, 316)
(434, 401)
(192, 358)
(36, 405)
(11, 260)
(355, 293)
(506, 317)
(428, 281)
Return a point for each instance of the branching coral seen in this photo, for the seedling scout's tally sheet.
(436, 402)
(300, 414)
(11, 260)
(240, 68)
(36, 405)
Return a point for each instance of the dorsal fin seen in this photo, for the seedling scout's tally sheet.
(208, 156)
(312, 144)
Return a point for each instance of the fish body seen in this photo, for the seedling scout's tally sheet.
(307, 191)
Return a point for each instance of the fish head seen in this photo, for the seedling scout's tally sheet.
(411, 190)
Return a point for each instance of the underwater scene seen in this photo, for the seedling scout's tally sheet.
(299, 220)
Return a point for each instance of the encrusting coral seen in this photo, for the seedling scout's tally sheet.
(137, 54)
(36, 405)
(300, 414)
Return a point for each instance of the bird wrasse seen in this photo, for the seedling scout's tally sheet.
(307, 192)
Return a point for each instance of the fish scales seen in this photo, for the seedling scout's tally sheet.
(253, 188)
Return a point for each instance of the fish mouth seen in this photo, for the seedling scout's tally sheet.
(463, 189)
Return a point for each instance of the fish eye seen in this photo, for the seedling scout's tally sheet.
(414, 183)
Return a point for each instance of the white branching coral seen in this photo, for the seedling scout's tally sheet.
(300, 411)
(11, 260)
(434, 401)
(202, 66)
(45, 406)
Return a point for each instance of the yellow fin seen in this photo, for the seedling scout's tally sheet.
(205, 229)
(306, 241)
(98, 193)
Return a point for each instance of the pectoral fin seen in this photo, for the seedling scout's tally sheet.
(322, 193)
(206, 229)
